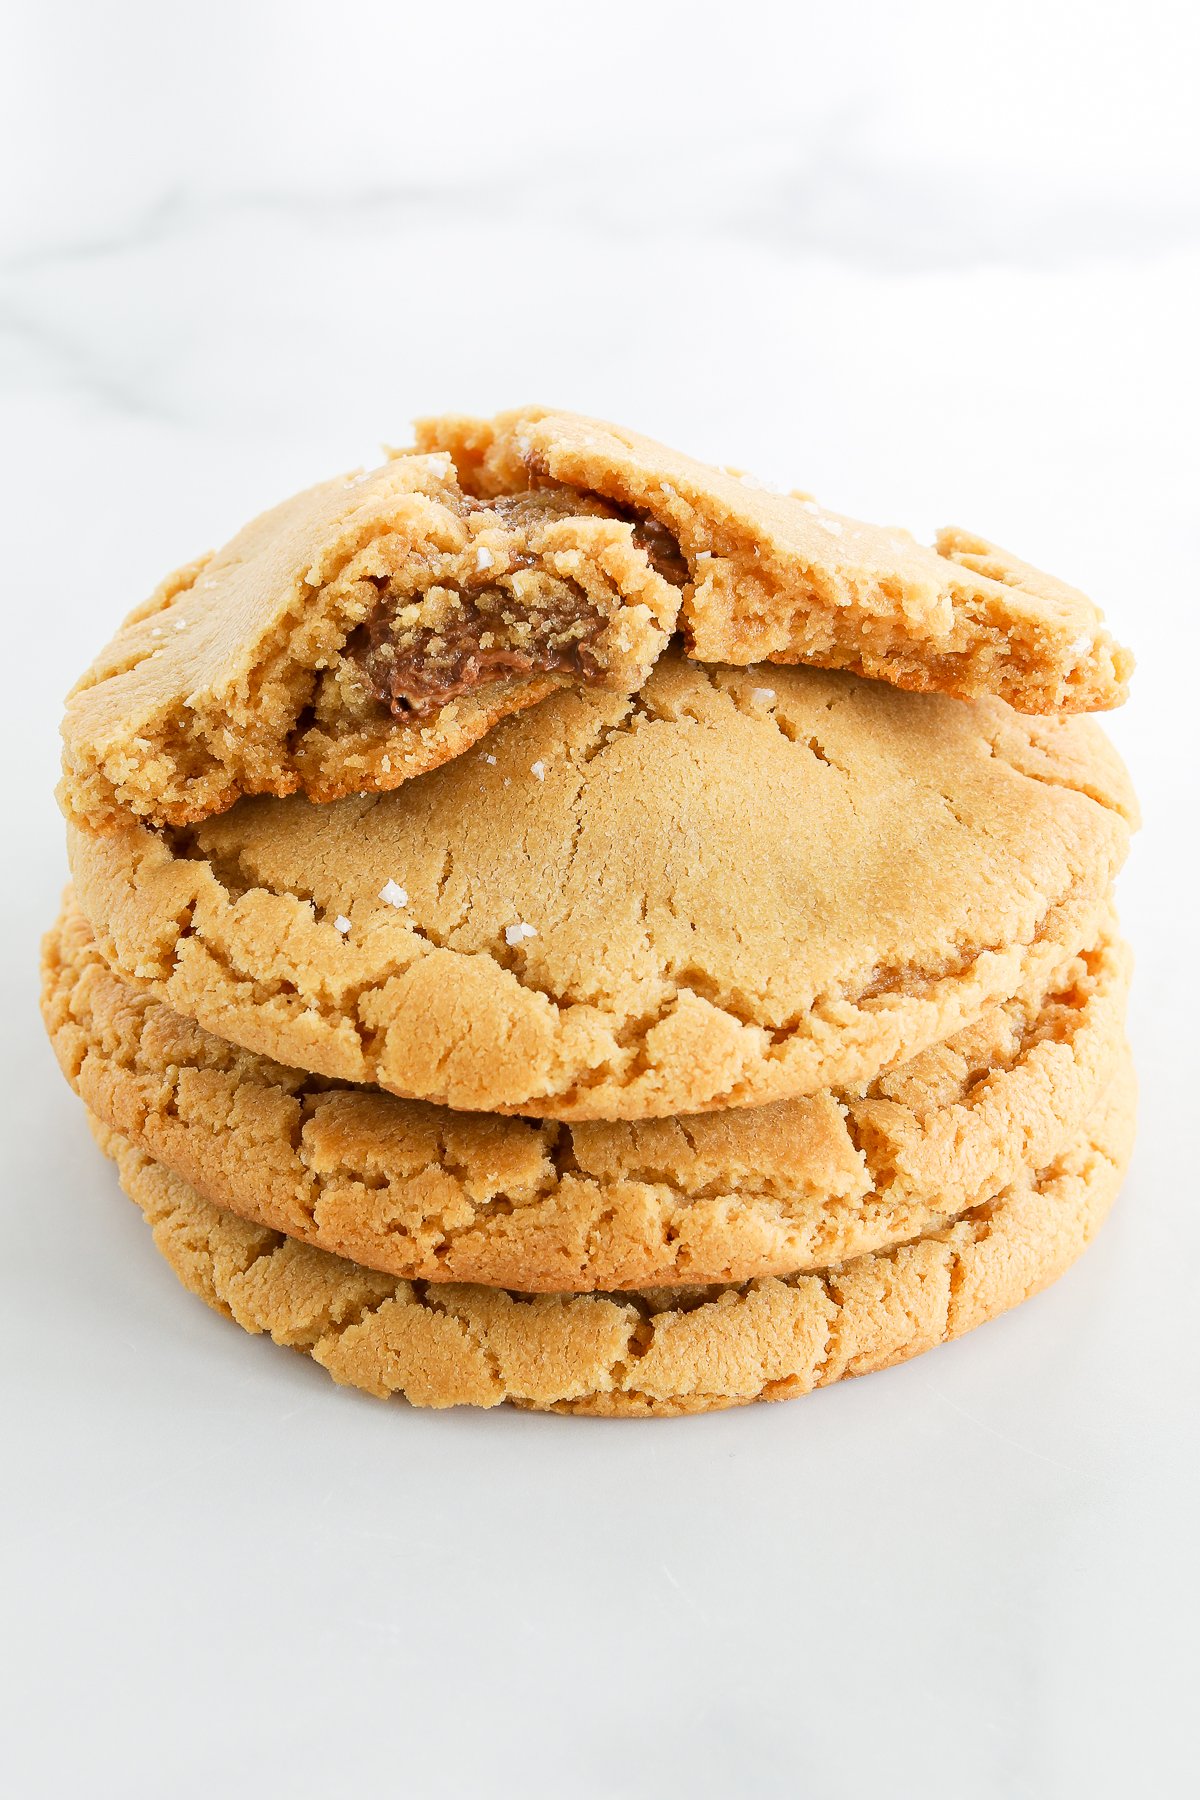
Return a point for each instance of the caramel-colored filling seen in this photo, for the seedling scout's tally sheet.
(514, 616)
(416, 670)
(661, 551)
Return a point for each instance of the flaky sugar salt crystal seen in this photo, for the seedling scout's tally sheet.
(342, 924)
(393, 894)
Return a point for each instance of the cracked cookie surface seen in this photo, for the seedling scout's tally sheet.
(710, 894)
(775, 576)
(422, 1192)
(659, 1352)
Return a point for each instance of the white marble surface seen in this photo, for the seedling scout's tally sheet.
(937, 262)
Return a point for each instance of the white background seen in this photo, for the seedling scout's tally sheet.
(936, 262)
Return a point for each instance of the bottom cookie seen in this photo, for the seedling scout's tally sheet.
(659, 1351)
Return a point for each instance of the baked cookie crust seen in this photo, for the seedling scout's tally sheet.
(710, 894)
(670, 1351)
(421, 1192)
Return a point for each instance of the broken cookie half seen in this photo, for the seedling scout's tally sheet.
(361, 633)
(374, 627)
(776, 577)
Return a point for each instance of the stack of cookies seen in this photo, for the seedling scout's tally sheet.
(556, 922)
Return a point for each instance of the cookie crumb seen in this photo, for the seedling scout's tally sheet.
(393, 894)
(514, 934)
(539, 769)
(342, 924)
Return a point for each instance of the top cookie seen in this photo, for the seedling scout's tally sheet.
(775, 577)
(374, 627)
(712, 894)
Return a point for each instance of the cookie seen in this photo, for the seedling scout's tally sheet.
(775, 576)
(421, 1192)
(358, 634)
(699, 896)
(681, 1350)
(370, 629)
